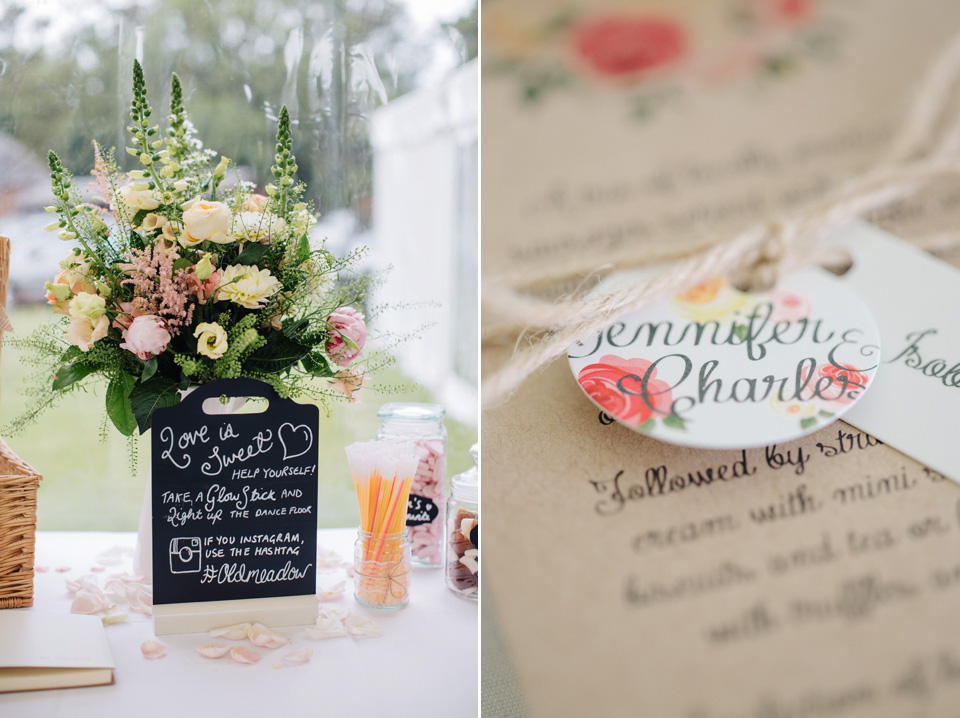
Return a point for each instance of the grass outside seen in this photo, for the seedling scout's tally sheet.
(88, 484)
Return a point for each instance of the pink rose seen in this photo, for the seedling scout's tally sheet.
(787, 306)
(841, 384)
(615, 384)
(348, 334)
(781, 12)
(626, 47)
(256, 203)
(146, 336)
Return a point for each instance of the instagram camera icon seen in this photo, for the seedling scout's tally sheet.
(185, 555)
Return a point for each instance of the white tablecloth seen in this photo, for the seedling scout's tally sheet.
(425, 664)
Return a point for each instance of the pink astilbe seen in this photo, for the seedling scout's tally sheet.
(158, 289)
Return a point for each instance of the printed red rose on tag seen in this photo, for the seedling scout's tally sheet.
(622, 47)
(616, 385)
(846, 383)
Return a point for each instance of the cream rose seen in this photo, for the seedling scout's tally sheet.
(153, 221)
(134, 197)
(211, 340)
(88, 306)
(203, 221)
(83, 331)
(257, 226)
(247, 286)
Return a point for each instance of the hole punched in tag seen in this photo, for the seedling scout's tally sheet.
(760, 268)
(224, 404)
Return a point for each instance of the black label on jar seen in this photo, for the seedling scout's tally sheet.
(475, 536)
(421, 510)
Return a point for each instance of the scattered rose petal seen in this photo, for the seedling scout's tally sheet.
(264, 637)
(362, 626)
(327, 628)
(328, 559)
(153, 650)
(89, 602)
(232, 633)
(114, 615)
(332, 612)
(62, 569)
(331, 593)
(97, 569)
(41, 569)
(87, 583)
(242, 654)
(139, 597)
(213, 650)
(298, 657)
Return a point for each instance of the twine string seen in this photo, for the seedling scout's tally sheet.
(926, 150)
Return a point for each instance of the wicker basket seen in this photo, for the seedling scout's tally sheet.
(18, 497)
(18, 528)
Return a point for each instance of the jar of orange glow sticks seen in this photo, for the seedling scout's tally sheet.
(383, 473)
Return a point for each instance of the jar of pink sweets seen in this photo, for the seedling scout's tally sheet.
(421, 424)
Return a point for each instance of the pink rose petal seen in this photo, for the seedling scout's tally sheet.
(87, 583)
(213, 650)
(361, 626)
(153, 650)
(97, 569)
(41, 569)
(89, 602)
(242, 654)
(236, 632)
(298, 657)
(264, 637)
(62, 569)
(327, 627)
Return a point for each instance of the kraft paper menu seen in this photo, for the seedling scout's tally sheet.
(816, 578)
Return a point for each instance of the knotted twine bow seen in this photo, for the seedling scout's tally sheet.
(925, 150)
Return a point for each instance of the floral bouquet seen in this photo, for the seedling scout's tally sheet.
(176, 282)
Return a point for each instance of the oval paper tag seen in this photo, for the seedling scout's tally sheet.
(719, 368)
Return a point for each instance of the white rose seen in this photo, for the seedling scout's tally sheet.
(211, 340)
(247, 286)
(257, 226)
(133, 200)
(88, 306)
(205, 220)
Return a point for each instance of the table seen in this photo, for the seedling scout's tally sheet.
(425, 664)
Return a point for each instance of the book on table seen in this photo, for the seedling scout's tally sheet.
(41, 650)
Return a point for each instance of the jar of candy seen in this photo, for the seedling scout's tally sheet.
(463, 531)
(421, 424)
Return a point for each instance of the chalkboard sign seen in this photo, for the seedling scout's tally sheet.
(234, 498)
(421, 510)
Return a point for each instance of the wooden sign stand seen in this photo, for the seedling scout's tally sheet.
(234, 501)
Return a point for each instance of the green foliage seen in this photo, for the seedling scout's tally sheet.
(145, 398)
(118, 404)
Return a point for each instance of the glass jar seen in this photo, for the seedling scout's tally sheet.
(421, 424)
(462, 558)
(381, 570)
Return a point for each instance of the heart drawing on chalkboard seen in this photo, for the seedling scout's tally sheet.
(293, 438)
